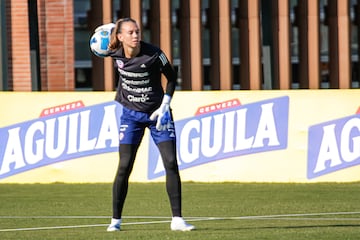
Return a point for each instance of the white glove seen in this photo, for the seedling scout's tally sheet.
(162, 114)
(106, 27)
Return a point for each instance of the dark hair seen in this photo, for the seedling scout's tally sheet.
(114, 41)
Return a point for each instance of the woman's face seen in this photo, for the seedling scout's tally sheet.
(129, 35)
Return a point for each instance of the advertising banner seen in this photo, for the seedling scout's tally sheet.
(242, 136)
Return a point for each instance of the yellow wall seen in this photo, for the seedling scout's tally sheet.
(304, 111)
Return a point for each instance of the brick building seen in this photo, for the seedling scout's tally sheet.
(215, 45)
(39, 44)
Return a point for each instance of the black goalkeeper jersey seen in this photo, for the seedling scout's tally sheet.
(139, 87)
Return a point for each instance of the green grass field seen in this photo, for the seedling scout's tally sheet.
(219, 211)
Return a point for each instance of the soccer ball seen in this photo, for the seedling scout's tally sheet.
(99, 42)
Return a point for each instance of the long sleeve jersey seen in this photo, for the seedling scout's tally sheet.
(139, 78)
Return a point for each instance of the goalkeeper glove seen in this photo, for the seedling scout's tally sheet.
(162, 114)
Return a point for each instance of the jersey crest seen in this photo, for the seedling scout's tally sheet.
(120, 63)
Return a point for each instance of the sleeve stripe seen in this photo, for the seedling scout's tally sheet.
(163, 59)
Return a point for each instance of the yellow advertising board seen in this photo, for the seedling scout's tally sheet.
(242, 136)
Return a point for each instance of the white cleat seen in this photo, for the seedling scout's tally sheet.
(179, 224)
(114, 225)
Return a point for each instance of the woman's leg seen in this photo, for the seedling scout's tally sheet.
(120, 187)
(173, 183)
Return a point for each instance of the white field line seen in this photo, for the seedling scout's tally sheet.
(163, 217)
(295, 215)
(298, 216)
(82, 217)
(50, 228)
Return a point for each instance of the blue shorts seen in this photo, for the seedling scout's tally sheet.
(133, 124)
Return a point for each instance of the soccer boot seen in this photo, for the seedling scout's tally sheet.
(179, 224)
(114, 225)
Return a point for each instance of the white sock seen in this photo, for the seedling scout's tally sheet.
(177, 218)
(115, 221)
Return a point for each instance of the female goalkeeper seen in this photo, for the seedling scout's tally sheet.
(145, 105)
